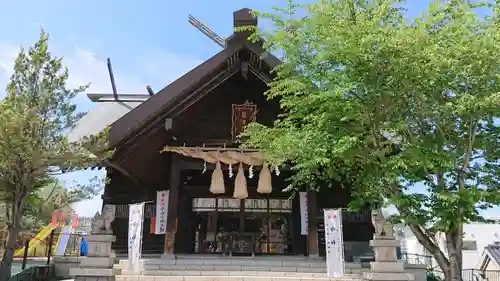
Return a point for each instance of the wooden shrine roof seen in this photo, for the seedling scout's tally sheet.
(155, 107)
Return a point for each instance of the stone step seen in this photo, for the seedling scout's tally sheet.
(229, 268)
(253, 262)
(224, 276)
(232, 268)
(194, 272)
(232, 273)
(155, 267)
(225, 257)
(263, 270)
(220, 256)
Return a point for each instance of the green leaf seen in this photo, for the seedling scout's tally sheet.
(35, 116)
(404, 111)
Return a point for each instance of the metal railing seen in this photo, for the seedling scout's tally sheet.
(479, 275)
(416, 259)
(467, 275)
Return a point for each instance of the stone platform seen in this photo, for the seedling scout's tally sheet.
(98, 265)
(215, 267)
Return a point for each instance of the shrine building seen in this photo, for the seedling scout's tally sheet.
(219, 199)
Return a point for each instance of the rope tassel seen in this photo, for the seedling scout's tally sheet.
(240, 184)
(265, 184)
(217, 184)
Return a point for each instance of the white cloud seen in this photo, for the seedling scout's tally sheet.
(8, 53)
(85, 66)
(167, 67)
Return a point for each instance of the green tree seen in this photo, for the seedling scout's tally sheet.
(35, 117)
(41, 203)
(403, 111)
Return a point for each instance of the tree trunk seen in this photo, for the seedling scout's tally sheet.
(454, 254)
(10, 247)
(14, 228)
(8, 255)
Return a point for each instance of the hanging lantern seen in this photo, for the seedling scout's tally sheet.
(217, 184)
(240, 184)
(265, 184)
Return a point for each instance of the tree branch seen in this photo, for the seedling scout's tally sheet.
(434, 249)
(470, 144)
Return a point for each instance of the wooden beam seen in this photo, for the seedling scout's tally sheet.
(208, 142)
(197, 164)
(263, 77)
(207, 31)
(117, 167)
(150, 90)
(312, 235)
(110, 163)
(112, 79)
(100, 97)
(173, 207)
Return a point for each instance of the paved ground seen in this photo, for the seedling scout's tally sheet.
(17, 264)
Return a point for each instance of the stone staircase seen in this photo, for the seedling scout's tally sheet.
(221, 268)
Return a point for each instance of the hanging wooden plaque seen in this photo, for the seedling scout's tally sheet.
(242, 115)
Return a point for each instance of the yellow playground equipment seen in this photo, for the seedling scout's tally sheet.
(39, 245)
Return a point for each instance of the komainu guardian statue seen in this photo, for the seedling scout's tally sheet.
(381, 225)
(101, 223)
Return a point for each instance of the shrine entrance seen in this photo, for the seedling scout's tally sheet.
(254, 226)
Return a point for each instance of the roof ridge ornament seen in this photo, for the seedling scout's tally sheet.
(241, 18)
(221, 41)
(115, 96)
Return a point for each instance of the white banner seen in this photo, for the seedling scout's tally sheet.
(334, 243)
(161, 211)
(303, 213)
(135, 221)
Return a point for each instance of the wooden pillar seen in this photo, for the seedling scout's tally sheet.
(173, 207)
(312, 234)
(241, 228)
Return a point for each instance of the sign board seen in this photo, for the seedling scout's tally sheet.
(303, 213)
(161, 211)
(136, 215)
(242, 115)
(334, 243)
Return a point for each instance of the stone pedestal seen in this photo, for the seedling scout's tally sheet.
(386, 265)
(98, 264)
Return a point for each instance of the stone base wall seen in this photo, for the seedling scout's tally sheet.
(94, 278)
(62, 265)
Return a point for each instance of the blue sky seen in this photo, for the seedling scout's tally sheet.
(149, 42)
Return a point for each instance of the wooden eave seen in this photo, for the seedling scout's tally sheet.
(147, 113)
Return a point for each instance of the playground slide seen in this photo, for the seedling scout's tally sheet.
(44, 233)
(62, 241)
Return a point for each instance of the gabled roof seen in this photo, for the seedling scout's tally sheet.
(491, 253)
(149, 110)
(99, 117)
